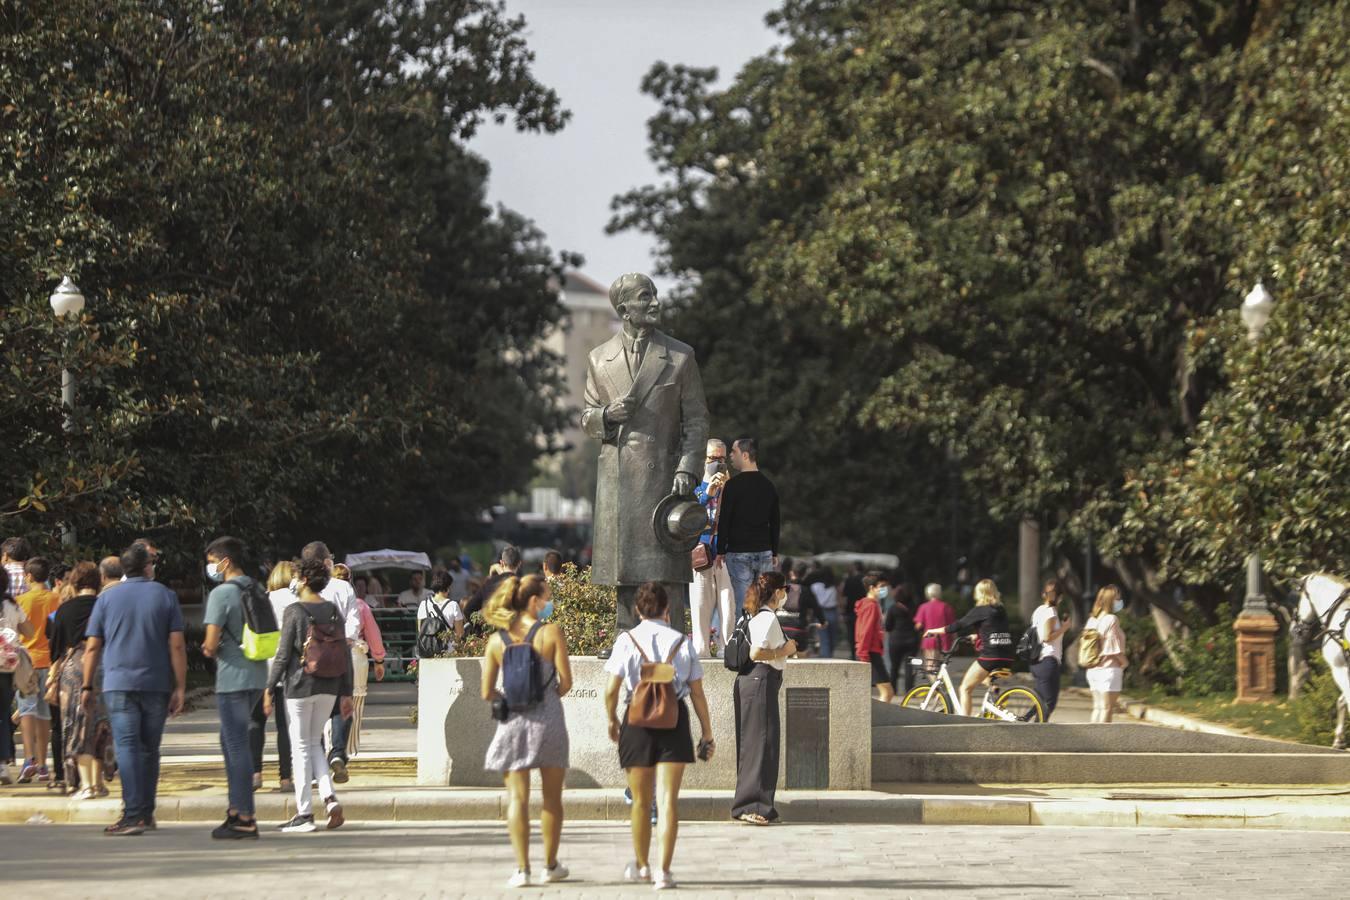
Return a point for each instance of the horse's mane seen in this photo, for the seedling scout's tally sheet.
(1334, 579)
(1325, 587)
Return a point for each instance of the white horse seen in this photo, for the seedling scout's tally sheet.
(1324, 618)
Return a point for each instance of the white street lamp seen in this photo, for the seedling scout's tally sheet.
(67, 302)
(67, 299)
(1256, 310)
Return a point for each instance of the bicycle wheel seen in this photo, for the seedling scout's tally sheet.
(1022, 703)
(915, 699)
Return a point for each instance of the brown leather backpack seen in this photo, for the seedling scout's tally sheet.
(654, 704)
(324, 653)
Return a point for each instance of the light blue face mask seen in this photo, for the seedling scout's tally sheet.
(883, 593)
(547, 612)
(1119, 605)
(213, 572)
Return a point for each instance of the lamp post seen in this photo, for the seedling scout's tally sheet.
(67, 302)
(1255, 626)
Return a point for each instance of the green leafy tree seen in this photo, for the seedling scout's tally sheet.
(1016, 218)
(1269, 469)
(304, 320)
(784, 369)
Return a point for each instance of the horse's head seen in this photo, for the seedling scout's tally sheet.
(1306, 612)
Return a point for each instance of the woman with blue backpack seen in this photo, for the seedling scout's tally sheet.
(526, 672)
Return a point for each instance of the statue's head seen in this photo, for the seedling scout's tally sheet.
(633, 297)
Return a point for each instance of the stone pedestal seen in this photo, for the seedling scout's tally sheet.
(1255, 656)
(826, 708)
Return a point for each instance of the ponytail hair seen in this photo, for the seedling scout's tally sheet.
(762, 589)
(511, 598)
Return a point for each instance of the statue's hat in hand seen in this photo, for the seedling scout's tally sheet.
(678, 521)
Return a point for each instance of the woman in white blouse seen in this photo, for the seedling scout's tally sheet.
(655, 758)
(756, 697)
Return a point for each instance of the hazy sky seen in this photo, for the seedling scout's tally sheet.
(594, 54)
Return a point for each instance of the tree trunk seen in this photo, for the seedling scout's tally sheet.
(1142, 581)
(1072, 585)
(1028, 567)
(1296, 657)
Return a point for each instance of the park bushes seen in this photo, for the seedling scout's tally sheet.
(1315, 706)
(584, 611)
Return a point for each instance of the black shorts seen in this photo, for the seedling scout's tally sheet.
(879, 673)
(990, 665)
(642, 748)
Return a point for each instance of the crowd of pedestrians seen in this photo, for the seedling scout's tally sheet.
(96, 655)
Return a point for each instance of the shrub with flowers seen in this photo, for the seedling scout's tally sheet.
(584, 612)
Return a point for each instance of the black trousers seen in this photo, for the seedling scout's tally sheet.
(7, 748)
(757, 740)
(1046, 672)
(902, 667)
(58, 743)
(257, 733)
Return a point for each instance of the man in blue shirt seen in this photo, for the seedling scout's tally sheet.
(239, 680)
(136, 628)
(711, 590)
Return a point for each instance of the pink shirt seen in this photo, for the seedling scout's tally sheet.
(370, 632)
(935, 614)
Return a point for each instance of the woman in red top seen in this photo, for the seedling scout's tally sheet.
(867, 634)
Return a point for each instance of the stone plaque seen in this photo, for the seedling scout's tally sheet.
(808, 738)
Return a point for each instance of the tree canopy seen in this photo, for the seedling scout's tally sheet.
(303, 318)
(1021, 232)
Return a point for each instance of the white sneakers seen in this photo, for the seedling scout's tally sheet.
(300, 825)
(334, 810)
(631, 873)
(557, 872)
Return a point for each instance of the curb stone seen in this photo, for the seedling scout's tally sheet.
(841, 807)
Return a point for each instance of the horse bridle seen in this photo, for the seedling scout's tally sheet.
(1305, 626)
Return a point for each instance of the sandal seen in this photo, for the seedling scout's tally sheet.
(752, 819)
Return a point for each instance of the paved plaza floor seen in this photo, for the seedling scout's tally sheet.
(712, 860)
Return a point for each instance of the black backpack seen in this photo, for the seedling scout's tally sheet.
(433, 638)
(1029, 647)
(736, 657)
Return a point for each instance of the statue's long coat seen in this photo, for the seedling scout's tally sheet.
(639, 459)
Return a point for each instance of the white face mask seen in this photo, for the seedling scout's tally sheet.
(1118, 605)
(214, 572)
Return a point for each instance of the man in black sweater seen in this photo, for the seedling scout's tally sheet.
(747, 532)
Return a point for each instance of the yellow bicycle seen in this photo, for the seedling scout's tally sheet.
(1012, 704)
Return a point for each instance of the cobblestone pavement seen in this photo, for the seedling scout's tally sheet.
(712, 860)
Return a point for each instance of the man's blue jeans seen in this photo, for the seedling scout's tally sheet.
(341, 727)
(137, 720)
(236, 714)
(827, 632)
(742, 569)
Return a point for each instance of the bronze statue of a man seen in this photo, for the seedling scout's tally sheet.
(644, 403)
